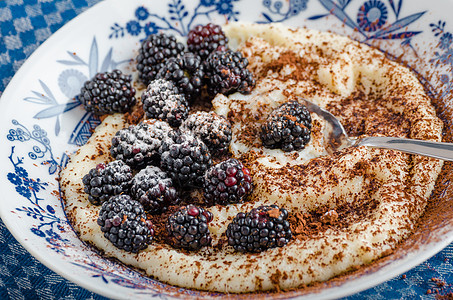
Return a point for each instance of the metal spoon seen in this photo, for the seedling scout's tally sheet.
(339, 139)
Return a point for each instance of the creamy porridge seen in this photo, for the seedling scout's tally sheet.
(346, 209)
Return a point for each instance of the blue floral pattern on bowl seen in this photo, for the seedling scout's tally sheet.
(49, 226)
(70, 81)
(372, 15)
(374, 19)
(179, 19)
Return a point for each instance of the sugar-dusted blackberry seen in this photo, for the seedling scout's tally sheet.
(124, 223)
(108, 93)
(153, 54)
(227, 182)
(154, 190)
(262, 228)
(162, 101)
(138, 145)
(188, 228)
(226, 72)
(186, 72)
(212, 129)
(107, 180)
(204, 39)
(186, 160)
(288, 127)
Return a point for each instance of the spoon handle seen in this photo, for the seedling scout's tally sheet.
(442, 151)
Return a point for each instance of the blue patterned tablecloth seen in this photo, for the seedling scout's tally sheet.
(24, 25)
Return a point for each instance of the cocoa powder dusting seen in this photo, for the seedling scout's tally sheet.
(136, 115)
(305, 69)
(310, 225)
(360, 118)
(274, 213)
(442, 290)
(159, 224)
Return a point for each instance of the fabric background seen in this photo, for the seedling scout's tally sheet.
(24, 25)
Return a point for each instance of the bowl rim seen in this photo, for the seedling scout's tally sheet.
(410, 261)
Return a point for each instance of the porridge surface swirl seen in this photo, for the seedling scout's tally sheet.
(346, 209)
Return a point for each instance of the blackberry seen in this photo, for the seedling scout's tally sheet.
(212, 129)
(188, 228)
(105, 181)
(186, 72)
(162, 101)
(154, 190)
(204, 39)
(260, 229)
(125, 224)
(108, 93)
(153, 54)
(138, 145)
(227, 182)
(226, 72)
(186, 160)
(288, 127)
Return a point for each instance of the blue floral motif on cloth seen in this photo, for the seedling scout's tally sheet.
(25, 24)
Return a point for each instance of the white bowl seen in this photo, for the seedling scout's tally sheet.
(43, 123)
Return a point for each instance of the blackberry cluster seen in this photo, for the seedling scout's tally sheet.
(204, 39)
(162, 101)
(138, 145)
(108, 93)
(153, 54)
(186, 72)
(212, 129)
(186, 160)
(188, 228)
(125, 224)
(226, 72)
(260, 229)
(105, 181)
(154, 190)
(288, 127)
(227, 182)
